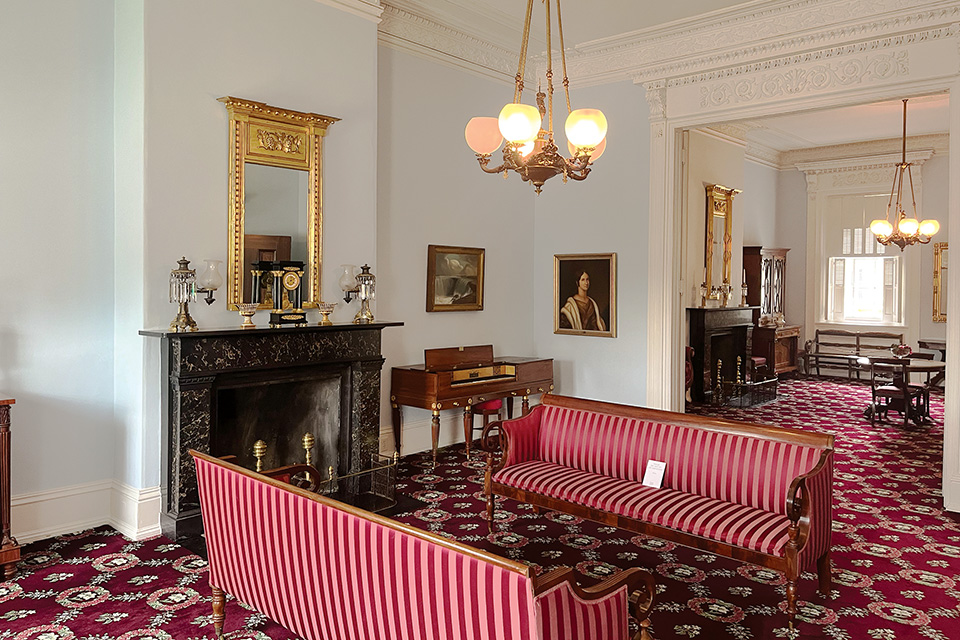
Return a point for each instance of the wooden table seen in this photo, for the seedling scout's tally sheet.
(9, 548)
(935, 345)
(919, 413)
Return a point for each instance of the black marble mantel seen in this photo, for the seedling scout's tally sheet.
(710, 327)
(195, 365)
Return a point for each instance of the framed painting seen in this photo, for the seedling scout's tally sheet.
(454, 278)
(585, 294)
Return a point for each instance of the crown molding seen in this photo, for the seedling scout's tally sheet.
(368, 9)
(936, 144)
(758, 33)
(864, 163)
(407, 29)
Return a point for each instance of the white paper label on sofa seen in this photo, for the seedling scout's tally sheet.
(653, 476)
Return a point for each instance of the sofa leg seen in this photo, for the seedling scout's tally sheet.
(823, 573)
(219, 614)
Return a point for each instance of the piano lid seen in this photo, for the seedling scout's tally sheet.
(457, 357)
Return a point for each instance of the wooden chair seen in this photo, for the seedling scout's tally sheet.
(486, 409)
(890, 389)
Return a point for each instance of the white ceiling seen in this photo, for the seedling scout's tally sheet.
(878, 121)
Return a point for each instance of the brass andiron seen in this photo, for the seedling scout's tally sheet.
(259, 450)
(308, 442)
(739, 364)
(718, 385)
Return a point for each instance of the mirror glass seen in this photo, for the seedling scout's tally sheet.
(276, 215)
(718, 220)
(276, 195)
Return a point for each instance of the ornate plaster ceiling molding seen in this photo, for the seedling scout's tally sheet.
(864, 163)
(408, 28)
(369, 9)
(768, 33)
(938, 144)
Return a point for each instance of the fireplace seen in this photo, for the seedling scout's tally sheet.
(225, 389)
(718, 334)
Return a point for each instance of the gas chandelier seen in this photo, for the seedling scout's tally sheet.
(530, 150)
(908, 230)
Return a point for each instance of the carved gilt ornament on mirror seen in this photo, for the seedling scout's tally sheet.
(276, 196)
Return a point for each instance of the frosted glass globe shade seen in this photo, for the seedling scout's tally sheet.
(527, 148)
(594, 155)
(519, 122)
(929, 227)
(909, 226)
(483, 135)
(586, 127)
(210, 279)
(881, 228)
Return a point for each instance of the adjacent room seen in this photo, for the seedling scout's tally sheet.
(354, 326)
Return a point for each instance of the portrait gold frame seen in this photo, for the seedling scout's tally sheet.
(719, 205)
(611, 294)
(262, 134)
(940, 265)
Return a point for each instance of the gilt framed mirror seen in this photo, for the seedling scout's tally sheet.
(276, 195)
(718, 244)
(941, 266)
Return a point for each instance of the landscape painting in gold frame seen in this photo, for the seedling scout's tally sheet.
(454, 278)
(585, 294)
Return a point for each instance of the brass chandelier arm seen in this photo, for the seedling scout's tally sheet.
(522, 65)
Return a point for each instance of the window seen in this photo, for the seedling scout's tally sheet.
(864, 289)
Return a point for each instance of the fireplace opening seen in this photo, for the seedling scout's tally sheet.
(280, 412)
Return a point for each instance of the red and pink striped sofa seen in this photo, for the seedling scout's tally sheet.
(755, 493)
(326, 570)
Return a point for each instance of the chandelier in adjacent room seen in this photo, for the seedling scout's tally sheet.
(530, 149)
(903, 231)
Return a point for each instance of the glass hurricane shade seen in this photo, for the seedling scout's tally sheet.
(586, 127)
(210, 279)
(929, 227)
(881, 228)
(483, 135)
(908, 226)
(519, 122)
(594, 155)
(348, 279)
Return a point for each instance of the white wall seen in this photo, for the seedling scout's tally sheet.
(758, 205)
(307, 57)
(936, 180)
(608, 212)
(56, 211)
(432, 191)
(791, 233)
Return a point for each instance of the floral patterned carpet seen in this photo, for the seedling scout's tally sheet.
(896, 554)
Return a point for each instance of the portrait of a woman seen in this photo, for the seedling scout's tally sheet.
(580, 311)
(585, 294)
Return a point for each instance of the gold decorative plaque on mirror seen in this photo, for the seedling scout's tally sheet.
(276, 195)
(940, 270)
(718, 247)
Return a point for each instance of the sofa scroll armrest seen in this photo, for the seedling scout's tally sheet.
(560, 597)
(810, 504)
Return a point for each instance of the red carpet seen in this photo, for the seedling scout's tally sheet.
(896, 553)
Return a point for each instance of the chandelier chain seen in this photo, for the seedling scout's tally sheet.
(563, 58)
(521, 68)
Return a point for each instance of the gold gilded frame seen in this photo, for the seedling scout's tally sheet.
(939, 295)
(275, 137)
(610, 259)
(719, 205)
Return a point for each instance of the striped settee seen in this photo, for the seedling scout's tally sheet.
(326, 570)
(754, 493)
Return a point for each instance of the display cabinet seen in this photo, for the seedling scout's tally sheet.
(765, 271)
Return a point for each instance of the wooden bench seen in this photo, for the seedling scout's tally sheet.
(750, 492)
(326, 570)
(838, 347)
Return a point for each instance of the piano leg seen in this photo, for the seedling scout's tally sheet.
(525, 405)
(435, 424)
(397, 425)
(509, 402)
(468, 427)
